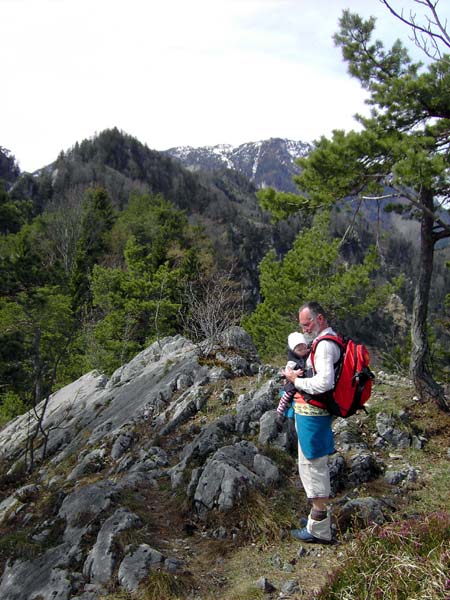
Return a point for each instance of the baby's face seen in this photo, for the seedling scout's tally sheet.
(301, 350)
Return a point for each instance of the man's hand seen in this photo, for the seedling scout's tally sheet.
(291, 375)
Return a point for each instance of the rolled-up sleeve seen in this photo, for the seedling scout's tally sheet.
(326, 355)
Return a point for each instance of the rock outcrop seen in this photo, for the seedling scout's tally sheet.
(168, 424)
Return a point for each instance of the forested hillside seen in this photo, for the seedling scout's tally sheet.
(114, 246)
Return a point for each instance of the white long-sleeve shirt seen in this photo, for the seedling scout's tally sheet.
(326, 355)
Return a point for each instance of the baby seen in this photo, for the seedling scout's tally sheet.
(297, 354)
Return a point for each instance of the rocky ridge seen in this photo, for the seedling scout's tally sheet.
(267, 163)
(147, 469)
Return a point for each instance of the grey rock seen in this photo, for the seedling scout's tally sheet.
(165, 379)
(122, 444)
(93, 462)
(136, 566)
(174, 565)
(418, 442)
(264, 584)
(47, 576)
(220, 533)
(288, 568)
(143, 386)
(338, 473)
(177, 473)
(292, 586)
(63, 408)
(83, 506)
(218, 373)
(403, 416)
(363, 468)
(210, 439)
(226, 478)
(59, 586)
(238, 365)
(182, 409)
(195, 478)
(251, 407)
(147, 469)
(101, 560)
(363, 511)
(237, 338)
(266, 469)
(9, 506)
(347, 436)
(27, 493)
(276, 561)
(393, 477)
(229, 474)
(392, 435)
(406, 474)
(184, 381)
(227, 396)
(286, 439)
(92, 592)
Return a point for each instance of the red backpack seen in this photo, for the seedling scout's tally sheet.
(353, 378)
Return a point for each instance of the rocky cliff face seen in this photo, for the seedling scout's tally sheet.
(142, 472)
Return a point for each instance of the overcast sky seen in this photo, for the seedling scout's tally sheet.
(175, 72)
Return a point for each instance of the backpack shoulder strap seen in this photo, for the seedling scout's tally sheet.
(337, 339)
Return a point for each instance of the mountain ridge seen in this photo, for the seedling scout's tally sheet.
(266, 163)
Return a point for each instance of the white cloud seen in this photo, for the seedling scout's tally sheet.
(173, 72)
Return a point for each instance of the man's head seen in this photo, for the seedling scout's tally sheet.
(312, 319)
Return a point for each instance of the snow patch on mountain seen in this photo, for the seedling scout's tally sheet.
(266, 163)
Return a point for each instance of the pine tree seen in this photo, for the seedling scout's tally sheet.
(401, 154)
(97, 222)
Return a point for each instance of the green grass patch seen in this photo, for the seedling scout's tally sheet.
(159, 585)
(284, 461)
(265, 518)
(402, 560)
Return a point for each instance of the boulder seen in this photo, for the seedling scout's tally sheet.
(270, 433)
(363, 467)
(45, 577)
(363, 512)
(228, 476)
(386, 427)
(102, 559)
(250, 407)
(136, 565)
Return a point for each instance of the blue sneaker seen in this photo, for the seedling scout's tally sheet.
(304, 536)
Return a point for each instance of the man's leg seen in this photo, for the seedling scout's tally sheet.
(315, 477)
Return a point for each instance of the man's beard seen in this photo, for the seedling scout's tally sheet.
(311, 336)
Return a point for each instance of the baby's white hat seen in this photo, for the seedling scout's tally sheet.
(296, 338)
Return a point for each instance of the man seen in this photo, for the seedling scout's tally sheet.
(313, 424)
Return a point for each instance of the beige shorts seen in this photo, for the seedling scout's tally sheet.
(315, 475)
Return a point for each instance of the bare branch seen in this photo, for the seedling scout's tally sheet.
(415, 202)
(213, 305)
(350, 227)
(430, 37)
